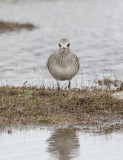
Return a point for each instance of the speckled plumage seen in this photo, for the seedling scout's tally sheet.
(63, 64)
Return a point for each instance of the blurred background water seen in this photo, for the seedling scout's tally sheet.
(94, 28)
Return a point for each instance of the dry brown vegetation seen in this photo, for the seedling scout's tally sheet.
(13, 26)
(108, 82)
(33, 106)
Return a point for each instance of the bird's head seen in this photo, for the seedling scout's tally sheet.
(64, 44)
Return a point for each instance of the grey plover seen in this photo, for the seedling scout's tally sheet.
(63, 64)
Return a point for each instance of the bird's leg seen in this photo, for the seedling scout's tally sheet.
(69, 84)
(58, 87)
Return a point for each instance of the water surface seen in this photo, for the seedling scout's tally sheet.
(94, 28)
(60, 144)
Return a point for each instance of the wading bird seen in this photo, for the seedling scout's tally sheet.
(63, 64)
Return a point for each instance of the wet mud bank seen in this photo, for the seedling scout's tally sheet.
(14, 26)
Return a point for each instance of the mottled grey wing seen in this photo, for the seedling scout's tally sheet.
(77, 61)
(51, 59)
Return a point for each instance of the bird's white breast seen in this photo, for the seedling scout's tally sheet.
(64, 73)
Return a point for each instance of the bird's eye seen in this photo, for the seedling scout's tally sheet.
(68, 45)
(59, 45)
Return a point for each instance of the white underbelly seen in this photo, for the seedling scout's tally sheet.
(64, 73)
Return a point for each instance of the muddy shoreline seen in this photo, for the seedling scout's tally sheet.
(34, 106)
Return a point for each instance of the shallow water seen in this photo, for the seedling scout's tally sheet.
(95, 29)
(60, 144)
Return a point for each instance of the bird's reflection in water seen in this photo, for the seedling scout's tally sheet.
(64, 144)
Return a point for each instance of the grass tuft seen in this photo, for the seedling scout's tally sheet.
(35, 106)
